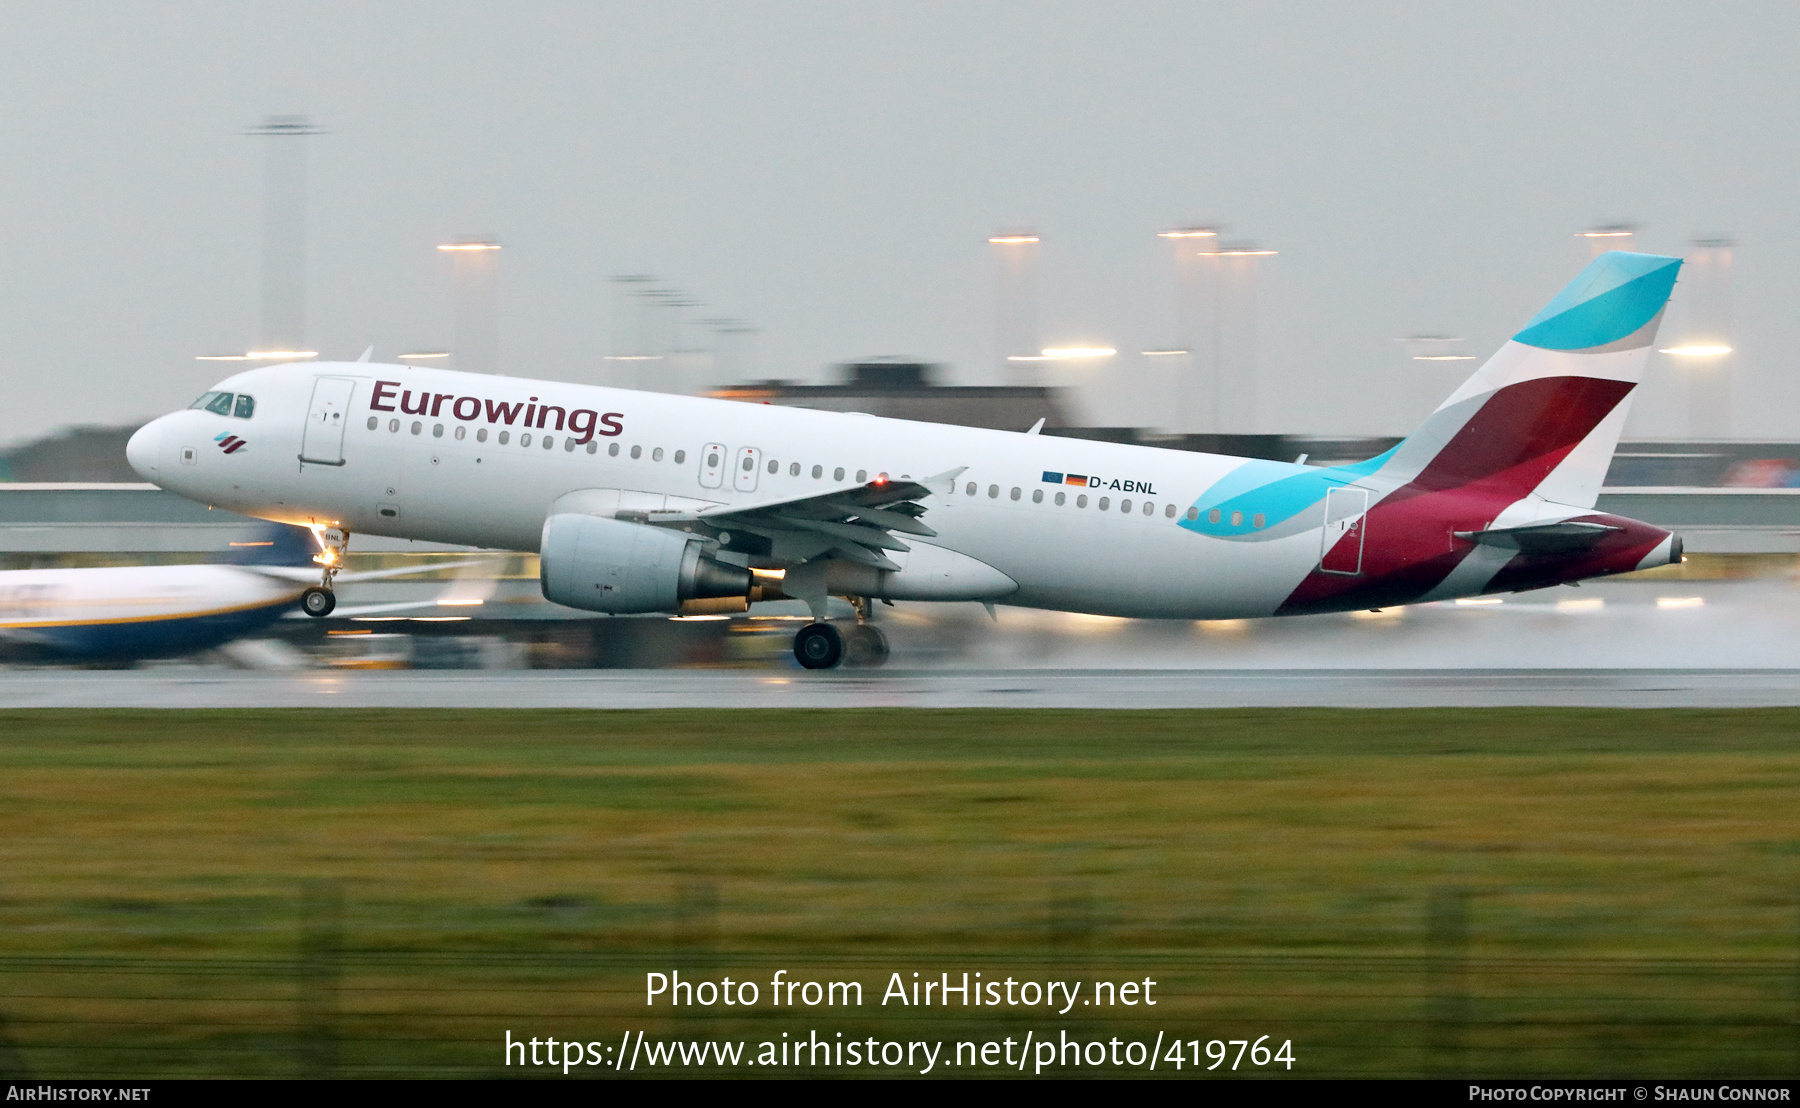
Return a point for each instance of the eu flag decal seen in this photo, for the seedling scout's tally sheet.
(1052, 478)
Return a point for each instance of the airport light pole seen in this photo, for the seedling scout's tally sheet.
(1195, 368)
(476, 279)
(1236, 279)
(1015, 303)
(284, 242)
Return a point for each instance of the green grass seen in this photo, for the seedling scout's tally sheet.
(1630, 881)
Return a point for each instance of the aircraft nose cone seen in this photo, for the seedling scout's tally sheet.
(141, 450)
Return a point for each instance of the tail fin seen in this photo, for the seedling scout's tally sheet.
(1544, 413)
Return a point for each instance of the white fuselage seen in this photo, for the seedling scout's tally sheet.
(408, 474)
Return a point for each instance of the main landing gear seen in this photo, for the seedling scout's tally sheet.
(861, 646)
(319, 600)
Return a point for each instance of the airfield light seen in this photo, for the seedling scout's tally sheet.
(1060, 352)
(449, 247)
(1240, 252)
(1189, 233)
(1443, 357)
(258, 356)
(1161, 353)
(1604, 234)
(428, 354)
(459, 603)
(1008, 240)
(1696, 350)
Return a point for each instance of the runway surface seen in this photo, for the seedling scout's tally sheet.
(206, 687)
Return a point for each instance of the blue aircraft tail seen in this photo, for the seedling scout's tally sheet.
(278, 544)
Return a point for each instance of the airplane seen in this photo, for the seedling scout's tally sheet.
(643, 502)
(119, 613)
(125, 613)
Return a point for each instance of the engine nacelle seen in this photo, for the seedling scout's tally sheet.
(608, 565)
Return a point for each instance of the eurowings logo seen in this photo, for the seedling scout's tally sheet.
(230, 443)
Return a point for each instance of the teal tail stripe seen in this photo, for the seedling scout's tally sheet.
(1612, 298)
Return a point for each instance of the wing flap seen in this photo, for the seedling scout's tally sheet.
(853, 523)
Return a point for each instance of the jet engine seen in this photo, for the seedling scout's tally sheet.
(608, 565)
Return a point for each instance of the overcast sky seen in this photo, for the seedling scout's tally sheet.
(830, 172)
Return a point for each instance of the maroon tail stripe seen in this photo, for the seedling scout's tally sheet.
(1520, 428)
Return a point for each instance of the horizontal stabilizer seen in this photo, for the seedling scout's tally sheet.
(1542, 538)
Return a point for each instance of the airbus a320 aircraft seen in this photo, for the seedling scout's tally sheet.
(642, 502)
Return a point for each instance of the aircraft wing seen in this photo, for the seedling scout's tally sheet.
(855, 522)
(1565, 537)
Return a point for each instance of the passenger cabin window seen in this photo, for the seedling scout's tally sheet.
(861, 476)
(504, 436)
(1015, 492)
(417, 427)
(481, 434)
(593, 447)
(636, 453)
(373, 423)
(525, 439)
(1037, 496)
(818, 472)
(794, 469)
(1081, 501)
(246, 406)
(1061, 499)
(774, 467)
(680, 455)
(1125, 507)
(437, 430)
(1170, 511)
(1213, 516)
(1257, 520)
(1193, 514)
(612, 451)
(837, 474)
(971, 489)
(1105, 503)
(656, 455)
(460, 432)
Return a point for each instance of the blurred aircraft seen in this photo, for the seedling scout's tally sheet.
(120, 613)
(643, 502)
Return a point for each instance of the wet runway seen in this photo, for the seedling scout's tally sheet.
(208, 687)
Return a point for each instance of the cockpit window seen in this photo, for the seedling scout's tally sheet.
(220, 402)
(246, 406)
(205, 401)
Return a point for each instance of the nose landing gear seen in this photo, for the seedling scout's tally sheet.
(319, 600)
